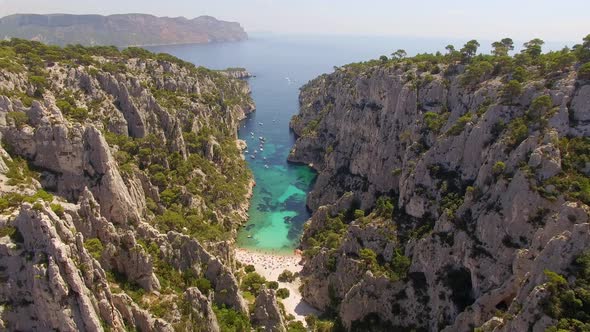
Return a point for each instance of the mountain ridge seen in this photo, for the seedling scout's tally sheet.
(131, 29)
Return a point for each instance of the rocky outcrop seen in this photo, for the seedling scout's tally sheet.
(74, 158)
(201, 307)
(239, 73)
(267, 315)
(476, 210)
(51, 281)
(119, 30)
(111, 247)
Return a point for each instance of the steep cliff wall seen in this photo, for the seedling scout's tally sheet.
(486, 162)
(120, 192)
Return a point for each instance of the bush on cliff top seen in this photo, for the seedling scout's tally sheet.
(569, 302)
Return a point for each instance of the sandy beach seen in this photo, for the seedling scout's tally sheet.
(270, 266)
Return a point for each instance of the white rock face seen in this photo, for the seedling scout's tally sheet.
(267, 314)
(43, 279)
(54, 277)
(366, 133)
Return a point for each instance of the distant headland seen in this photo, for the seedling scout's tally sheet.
(119, 30)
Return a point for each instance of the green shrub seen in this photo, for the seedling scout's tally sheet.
(520, 74)
(358, 214)
(318, 325)
(512, 90)
(70, 111)
(94, 247)
(204, 285)
(252, 282)
(39, 82)
(58, 209)
(40, 194)
(518, 131)
(498, 168)
(249, 268)
(434, 121)
(329, 236)
(231, 321)
(286, 276)
(539, 107)
(296, 326)
(18, 118)
(11, 66)
(584, 72)
(369, 257)
(384, 207)
(272, 285)
(19, 172)
(569, 302)
(459, 126)
(283, 293)
(573, 181)
(12, 200)
(37, 206)
(12, 232)
(399, 265)
(477, 72)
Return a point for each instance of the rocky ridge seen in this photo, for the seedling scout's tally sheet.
(478, 155)
(116, 210)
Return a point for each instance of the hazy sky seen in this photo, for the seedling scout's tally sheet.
(556, 20)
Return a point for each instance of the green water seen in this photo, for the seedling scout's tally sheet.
(277, 210)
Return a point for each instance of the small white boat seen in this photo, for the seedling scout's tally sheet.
(266, 166)
(255, 151)
(246, 152)
(261, 149)
(252, 156)
(264, 158)
(260, 123)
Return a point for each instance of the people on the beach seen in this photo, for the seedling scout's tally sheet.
(270, 261)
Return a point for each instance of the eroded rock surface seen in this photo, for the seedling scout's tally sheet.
(93, 227)
(478, 214)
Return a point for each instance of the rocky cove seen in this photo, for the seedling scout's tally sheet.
(135, 149)
(451, 192)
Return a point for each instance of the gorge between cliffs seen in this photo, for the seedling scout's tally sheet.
(437, 192)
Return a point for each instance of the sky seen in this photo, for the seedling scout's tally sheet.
(551, 20)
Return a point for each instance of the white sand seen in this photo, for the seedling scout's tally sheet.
(270, 266)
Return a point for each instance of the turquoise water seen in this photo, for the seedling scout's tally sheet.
(281, 65)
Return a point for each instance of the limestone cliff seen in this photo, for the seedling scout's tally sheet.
(486, 162)
(122, 186)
